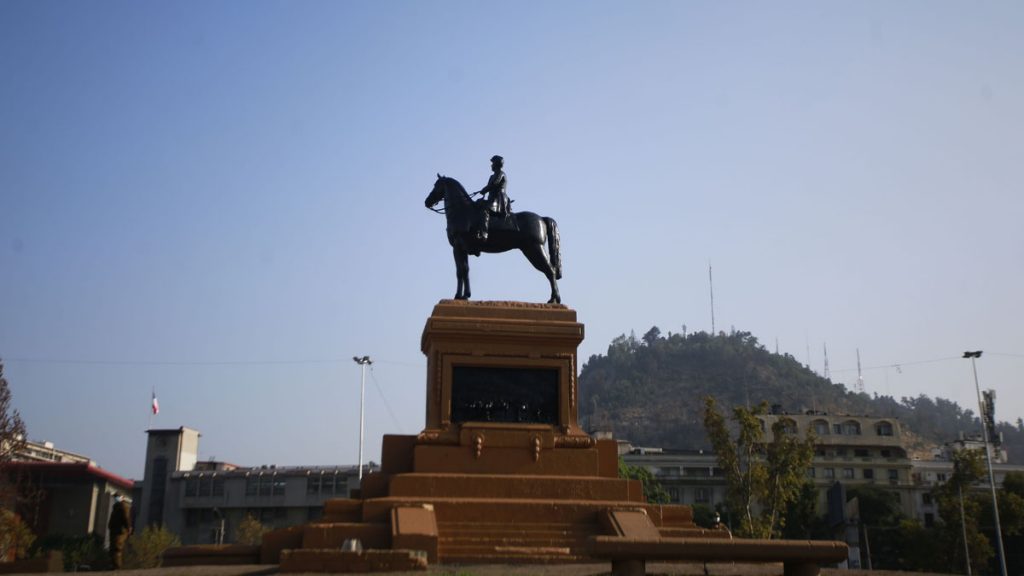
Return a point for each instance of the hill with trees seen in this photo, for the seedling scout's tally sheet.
(650, 391)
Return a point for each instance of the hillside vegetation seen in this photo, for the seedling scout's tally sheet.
(650, 391)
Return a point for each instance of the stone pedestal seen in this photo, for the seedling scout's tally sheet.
(501, 471)
(502, 393)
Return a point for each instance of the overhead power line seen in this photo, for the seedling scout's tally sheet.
(26, 360)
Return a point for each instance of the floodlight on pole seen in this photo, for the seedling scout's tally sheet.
(988, 460)
(362, 396)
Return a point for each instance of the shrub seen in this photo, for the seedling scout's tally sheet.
(250, 531)
(78, 551)
(15, 535)
(145, 549)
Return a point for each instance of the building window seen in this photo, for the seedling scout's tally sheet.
(894, 475)
(837, 428)
(940, 476)
(264, 485)
(278, 485)
(861, 452)
(830, 472)
(841, 452)
(869, 474)
(205, 485)
(701, 495)
(340, 485)
(886, 453)
(313, 484)
(821, 428)
(717, 472)
(252, 484)
(926, 498)
(191, 486)
(884, 429)
(673, 494)
(810, 472)
(218, 485)
(848, 473)
(851, 428)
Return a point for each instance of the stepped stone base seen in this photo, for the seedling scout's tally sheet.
(494, 490)
(501, 472)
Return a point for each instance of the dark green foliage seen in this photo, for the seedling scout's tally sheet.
(879, 507)
(80, 552)
(801, 521)
(1013, 483)
(649, 391)
(653, 491)
(703, 516)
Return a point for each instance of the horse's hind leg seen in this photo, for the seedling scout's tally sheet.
(538, 257)
(461, 273)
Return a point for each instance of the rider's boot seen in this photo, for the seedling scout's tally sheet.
(481, 234)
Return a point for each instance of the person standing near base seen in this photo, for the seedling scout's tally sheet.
(120, 528)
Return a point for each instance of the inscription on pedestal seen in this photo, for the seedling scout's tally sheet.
(492, 394)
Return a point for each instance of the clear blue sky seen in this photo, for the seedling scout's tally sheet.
(224, 201)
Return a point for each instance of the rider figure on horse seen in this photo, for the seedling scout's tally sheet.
(497, 201)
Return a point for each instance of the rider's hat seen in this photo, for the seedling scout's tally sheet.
(497, 159)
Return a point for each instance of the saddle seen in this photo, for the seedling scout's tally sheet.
(505, 221)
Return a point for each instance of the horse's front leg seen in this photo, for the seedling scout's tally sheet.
(461, 273)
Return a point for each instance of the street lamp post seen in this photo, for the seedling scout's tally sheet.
(988, 459)
(362, 395)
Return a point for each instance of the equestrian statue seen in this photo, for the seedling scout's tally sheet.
(489, 225)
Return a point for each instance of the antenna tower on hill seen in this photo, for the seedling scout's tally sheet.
(859, 388)
(711, 286)
(828, 376)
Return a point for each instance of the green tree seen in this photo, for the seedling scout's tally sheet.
(878, 507)
(769, 475)
(968, 469)
(802, 521)
(653, 492)
(1013, 483)
(250, 531)
(12, 439)
(145, 549)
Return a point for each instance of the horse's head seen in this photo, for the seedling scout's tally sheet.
(448, 189)
(437, 193)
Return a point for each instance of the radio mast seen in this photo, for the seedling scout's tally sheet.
(711, 286)
(827, 375)
(859, 388)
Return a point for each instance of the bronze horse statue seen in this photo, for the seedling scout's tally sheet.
(536, 236)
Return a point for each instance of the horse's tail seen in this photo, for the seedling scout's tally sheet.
(554, 247)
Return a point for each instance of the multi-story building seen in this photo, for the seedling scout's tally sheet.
(63, 493)
(850, 450)
(204, 502)
(855, 451)
(688, 476)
